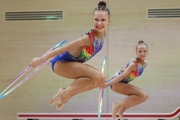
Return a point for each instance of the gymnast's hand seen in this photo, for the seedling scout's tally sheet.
(105, 85)
(101, 84)
(36, 62)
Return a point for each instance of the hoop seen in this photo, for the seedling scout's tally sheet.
(3, 94)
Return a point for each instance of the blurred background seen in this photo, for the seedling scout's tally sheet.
(131, 21)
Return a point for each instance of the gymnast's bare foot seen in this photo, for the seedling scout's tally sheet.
(61, 105)
(113, 112)
(57, 98)
(120, 114)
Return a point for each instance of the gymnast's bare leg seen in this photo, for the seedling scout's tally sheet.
(90, 79)
(135, 97)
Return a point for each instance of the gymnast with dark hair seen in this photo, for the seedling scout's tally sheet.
(69, 61)
(119, 83)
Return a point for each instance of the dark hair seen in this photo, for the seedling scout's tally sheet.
(141, 42)
(102, 6)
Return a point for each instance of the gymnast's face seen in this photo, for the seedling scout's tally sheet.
(100, 20)
(142, 52)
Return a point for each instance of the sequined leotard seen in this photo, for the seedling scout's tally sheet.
(133, 74)
(86, 54)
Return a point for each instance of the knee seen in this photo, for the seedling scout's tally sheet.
(144, 97)
(99, 78)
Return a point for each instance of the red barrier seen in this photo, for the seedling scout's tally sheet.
(95, 115)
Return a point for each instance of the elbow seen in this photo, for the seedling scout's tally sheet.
(121, 77)
(56, 52)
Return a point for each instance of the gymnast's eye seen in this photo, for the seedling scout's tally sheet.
(96, 19)
(103, 20)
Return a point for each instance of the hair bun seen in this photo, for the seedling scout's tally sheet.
(140, 42)
(102, 3)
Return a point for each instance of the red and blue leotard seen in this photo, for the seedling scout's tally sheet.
(133, 74)
(87, 53)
